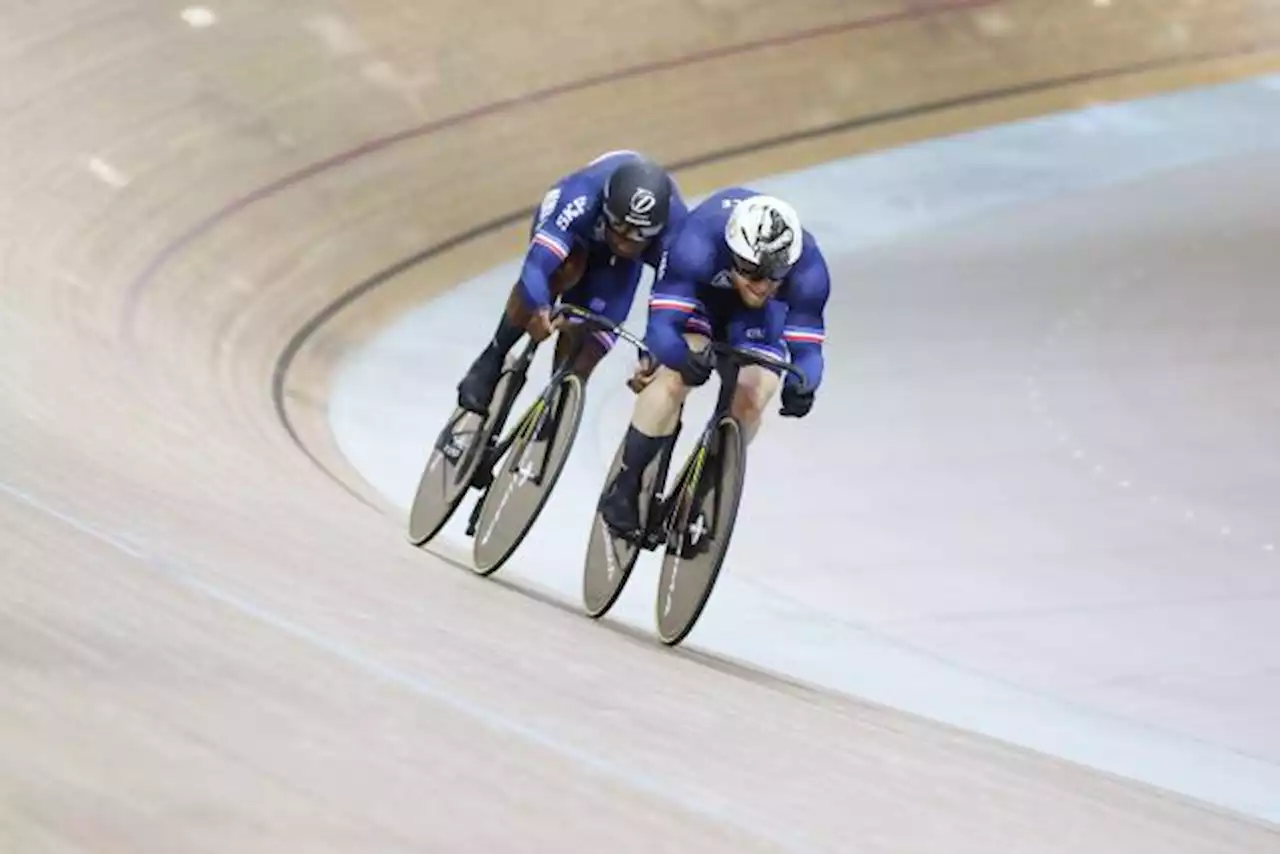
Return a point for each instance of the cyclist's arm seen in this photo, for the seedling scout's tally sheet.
(561, 217)
(805, 329)
(673, 300)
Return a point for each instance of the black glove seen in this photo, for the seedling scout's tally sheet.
(796, 402)
(697, 367)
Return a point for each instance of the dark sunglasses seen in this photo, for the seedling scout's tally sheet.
(773, 271)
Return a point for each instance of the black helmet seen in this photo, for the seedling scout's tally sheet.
(637, 196)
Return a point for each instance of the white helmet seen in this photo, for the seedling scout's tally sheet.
(764, 232)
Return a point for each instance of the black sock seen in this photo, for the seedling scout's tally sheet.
(504, 338)
(637, 452)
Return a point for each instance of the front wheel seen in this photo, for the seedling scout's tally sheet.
(456, 454)
(528, 474)
(701, 529)
(610, 558)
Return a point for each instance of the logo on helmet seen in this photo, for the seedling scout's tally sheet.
(643, 202)
(774, 236)
(772, 241)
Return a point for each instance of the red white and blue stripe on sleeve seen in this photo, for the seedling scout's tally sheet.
(804, 335)
(546, 253)
(670, 315)
(688, 308)
(805, 344)
(551, 242)
(669, 302)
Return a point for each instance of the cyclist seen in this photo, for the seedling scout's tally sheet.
(590, 239)
(741, 270)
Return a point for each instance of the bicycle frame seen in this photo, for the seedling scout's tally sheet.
(664, 506)
(536, 414)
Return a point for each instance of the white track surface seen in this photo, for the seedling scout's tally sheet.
(1038, 497)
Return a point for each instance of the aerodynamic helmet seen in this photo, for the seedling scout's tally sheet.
(765, 237)
(637, 198)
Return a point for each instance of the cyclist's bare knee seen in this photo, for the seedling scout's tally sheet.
(756, 388)
(658, 404)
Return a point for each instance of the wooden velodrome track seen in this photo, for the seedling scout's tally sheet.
(212, 638)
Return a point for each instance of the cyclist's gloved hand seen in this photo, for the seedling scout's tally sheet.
(796, 402)
(697, 367)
